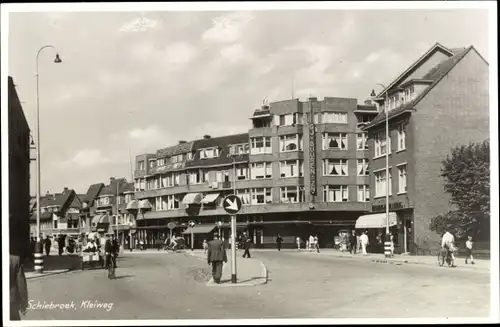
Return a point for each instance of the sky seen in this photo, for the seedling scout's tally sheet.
(134, 82)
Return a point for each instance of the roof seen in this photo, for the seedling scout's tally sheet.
(57, 199)
(111, 189)
(174, 150)
(222, 143)
(435, 74)
(435, 47)
(93, 192)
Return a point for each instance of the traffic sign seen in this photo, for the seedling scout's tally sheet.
(232, 204)
(170, 225)
(191, 223)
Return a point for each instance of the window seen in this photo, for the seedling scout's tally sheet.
(335, 167)
(128, 197)
(260, 145)
(363, 167)
(380, 183)
(335, 193)
(292, 194)
(176, 158)
(261, 170)
(292, 142)
(363, 193)
(335, 141)
(262, 196)
(242, 173)
(291, 168)
(159, 205)
(161, 162)
(172, 202)
(209, 153)
(104, 200)
(381, 144)
(140, 184)
(152, 163)
(140, 165)
(317, 118)
(190, 156)
(238, 149)
(177, 179)
(288, 119)
(362, 141)
(244, 195)
(402, 179)
(334, 118)
(197, 177)
(401, 138)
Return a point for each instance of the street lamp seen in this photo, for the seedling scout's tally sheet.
(38, 252)
(387, 245)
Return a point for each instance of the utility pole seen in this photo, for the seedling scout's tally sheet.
(233, 230)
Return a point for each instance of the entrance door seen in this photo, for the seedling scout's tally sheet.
(258, 238)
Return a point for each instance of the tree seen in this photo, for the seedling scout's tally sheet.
(466, 173)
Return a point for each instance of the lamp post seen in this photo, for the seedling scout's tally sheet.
(233, 229)
(387, 242)
(39, 250)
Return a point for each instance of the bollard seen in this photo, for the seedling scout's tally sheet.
(387, 246)
(39, 257)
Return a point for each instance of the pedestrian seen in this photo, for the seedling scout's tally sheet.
(353, 242)
(316, 243)
(391, 238)
(66, 243)
(364, 242)
(18, 288)
(469, 245)
(216, 256)
(297, 240)
(48, 243)
(311, 242)
(60, 244)
(279, 240)
(33, 247)
(248, 242)
(205, 246)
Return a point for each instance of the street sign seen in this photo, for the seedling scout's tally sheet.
(191, 223)
(170, 225)
(232, 204)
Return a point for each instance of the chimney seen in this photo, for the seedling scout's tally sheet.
(311, 98)
(111, 180)
(65, 189)
(182, 142)
(206, 137)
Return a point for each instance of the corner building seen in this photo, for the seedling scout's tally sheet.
(301, 169)
(440, 102)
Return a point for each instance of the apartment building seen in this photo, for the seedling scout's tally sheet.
(301, 169)
(439, 102)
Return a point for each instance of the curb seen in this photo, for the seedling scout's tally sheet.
(50, 274)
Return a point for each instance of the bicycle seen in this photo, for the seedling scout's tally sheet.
(445, 256)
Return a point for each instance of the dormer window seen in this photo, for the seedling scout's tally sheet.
(190, 156)
(152, 163)
(209, 153)
(176, 158)
(161, 162)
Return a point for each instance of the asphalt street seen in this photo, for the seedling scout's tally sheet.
(173, 286)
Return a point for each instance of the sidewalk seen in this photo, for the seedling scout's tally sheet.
(249, 271)
(52, 265)
(480, 264)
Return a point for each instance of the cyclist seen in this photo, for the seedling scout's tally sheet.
(110, 250)
(448, 243)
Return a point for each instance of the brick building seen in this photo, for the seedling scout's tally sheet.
(439, 102)
(302, 168)
(19, 174)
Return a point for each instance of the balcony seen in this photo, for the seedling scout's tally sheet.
(168, 167)
(289, 129)
(139, 173)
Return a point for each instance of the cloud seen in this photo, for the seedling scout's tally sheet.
(179, 53)
(373, 57)
(73, 92)
(141, 24)
(236, 53)
(85, 159)
(149, 138)
(228, 28)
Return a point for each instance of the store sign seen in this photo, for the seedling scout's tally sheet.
(312, 158)
(73, 210)
(379, 205)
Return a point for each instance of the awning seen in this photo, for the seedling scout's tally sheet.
(133, 205)
(145, 204)
(377, 220)
(99, 219)
(209, 198)
(200, 229)
(191, 198)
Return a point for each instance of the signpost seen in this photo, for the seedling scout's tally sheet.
(191, 225)
(232, 205)
(170, 226)
(219, 225)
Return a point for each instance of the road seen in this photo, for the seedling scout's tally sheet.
(301, 285)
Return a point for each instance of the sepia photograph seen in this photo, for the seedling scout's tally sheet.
(215, 163)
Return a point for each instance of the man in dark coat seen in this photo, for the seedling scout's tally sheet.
(18, 288)
(47, 243)
(216, 256)
(247, 244)
(279, 240)
(353, 242)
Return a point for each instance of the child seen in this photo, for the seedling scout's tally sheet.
(469, 245)
(205, 246)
